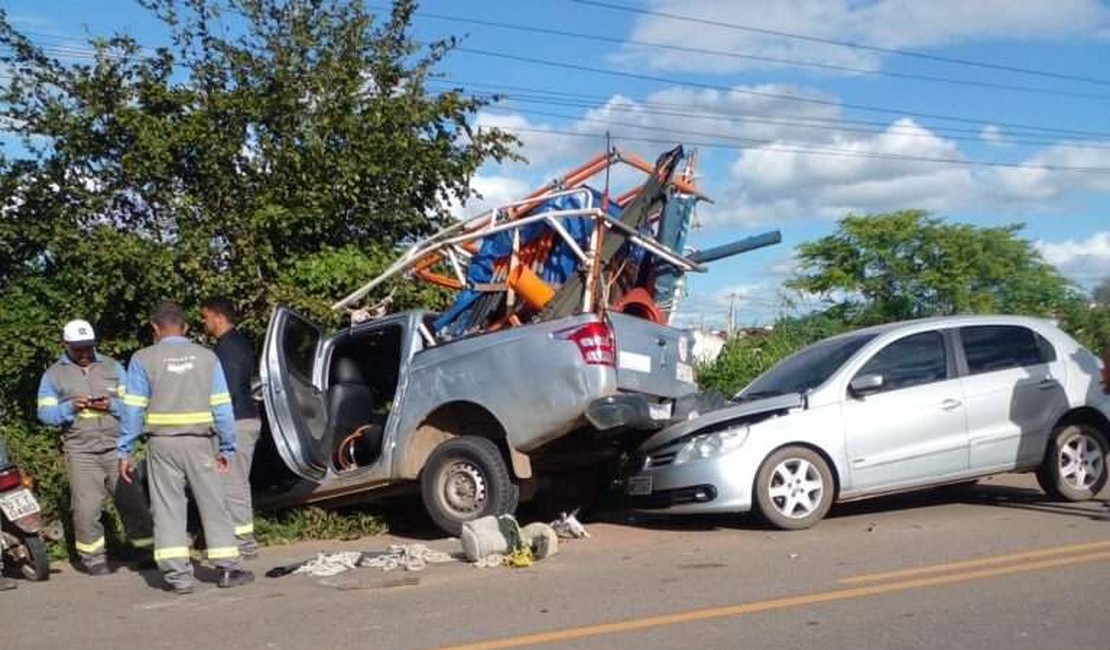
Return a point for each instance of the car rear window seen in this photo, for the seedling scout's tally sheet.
(997, 347)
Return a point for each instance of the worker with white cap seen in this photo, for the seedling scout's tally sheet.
(82, 393)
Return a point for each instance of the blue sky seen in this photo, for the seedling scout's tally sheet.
(777, 179)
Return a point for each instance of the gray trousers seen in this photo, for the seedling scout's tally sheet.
(173, 463)
(93, 478)
(238, 482)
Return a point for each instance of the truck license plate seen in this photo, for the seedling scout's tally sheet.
(639, 486)
(18, 504)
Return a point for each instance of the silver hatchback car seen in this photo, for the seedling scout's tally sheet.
(886, 409)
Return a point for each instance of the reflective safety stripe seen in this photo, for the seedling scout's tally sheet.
(91, 547)
(85, 414)
(220, 398)
(120, 390)
(135, 400)
(144, 542)
(48, 401)
(194, 417)
(171, 553)
(245, 529)
(223, 552)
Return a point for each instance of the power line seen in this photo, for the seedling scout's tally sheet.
(651, 109)
(555, 95)
(769, 145)
(761, 58)
(768, 95)
(858, 46)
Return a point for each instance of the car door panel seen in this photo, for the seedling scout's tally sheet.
(292, 395)
(914, 430)
(1014, 390)
(906, 436)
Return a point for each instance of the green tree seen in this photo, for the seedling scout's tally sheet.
(1101, 293)
(901, 265)
(268, 150)
(744, 359)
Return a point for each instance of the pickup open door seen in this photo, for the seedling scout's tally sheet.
(293, 394)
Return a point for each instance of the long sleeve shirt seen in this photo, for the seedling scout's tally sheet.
(236, 356)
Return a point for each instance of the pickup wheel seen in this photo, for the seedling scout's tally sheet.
(466, 478)
(1074, 466)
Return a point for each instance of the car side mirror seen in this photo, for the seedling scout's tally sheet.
(865, 384)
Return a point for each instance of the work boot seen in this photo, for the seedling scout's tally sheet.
(98, 569)
(7, 584)
(235, 577)
(183, 589)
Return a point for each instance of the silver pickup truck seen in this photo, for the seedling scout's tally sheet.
(471, 421)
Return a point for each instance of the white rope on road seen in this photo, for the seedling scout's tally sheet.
(410, 557)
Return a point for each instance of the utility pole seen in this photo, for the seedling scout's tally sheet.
(732, 313)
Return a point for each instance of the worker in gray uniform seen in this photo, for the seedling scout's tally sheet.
(82, 393)
(177, 394)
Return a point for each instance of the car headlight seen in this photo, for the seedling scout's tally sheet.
(708, 445)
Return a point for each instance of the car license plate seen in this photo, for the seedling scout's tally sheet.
(660, 411)
(639, 486)
(684, 372)
(18, 504)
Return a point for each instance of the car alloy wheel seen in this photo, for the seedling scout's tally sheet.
(1082, 462)
(1074, 464)
(796, 488)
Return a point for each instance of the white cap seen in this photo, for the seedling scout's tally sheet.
(78, 331)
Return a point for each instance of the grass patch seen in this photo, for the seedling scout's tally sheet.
(288, 526)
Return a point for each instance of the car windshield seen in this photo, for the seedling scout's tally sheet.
(805, 370)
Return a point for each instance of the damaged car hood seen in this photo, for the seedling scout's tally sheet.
(732, 413)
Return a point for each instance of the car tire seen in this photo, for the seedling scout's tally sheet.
(1074, 465)
(466, 478)
(794, 488)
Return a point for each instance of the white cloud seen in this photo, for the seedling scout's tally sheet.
(808, 163)
(992, 134)
(876, 172)
(751, 303)
(885, 23)
(494, 190)
(1025, 184)
(1087, 260)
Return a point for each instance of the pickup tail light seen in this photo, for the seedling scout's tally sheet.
(595, 342)
(10, 479)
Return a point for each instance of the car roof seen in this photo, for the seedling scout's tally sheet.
(940, 322)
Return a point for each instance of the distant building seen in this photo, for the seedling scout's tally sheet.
(707, 346)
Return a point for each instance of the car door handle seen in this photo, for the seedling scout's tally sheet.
(950, 404)
(1047, 384)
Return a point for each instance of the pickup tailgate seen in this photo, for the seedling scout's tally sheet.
(653, 359)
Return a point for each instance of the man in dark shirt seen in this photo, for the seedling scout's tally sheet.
(236, 356)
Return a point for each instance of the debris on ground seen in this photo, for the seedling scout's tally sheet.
(410, 557)
(501, 541)
(567, 526)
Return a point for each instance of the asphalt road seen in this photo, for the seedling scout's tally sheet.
(990, 566)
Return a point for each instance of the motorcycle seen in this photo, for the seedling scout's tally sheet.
(21, 526)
